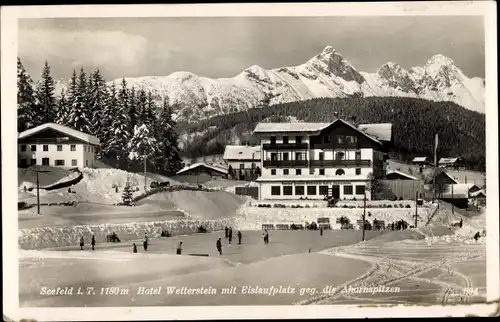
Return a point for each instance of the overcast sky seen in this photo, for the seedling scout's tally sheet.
(223, 47)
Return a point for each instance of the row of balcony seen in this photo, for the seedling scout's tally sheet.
(298, 146)
(316, 163)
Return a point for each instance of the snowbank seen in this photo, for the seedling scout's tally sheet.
(49, 237)
(251, 218)
(198, 204)
(465, 234)
(27, 176)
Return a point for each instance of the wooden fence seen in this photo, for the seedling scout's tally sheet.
(404, 188)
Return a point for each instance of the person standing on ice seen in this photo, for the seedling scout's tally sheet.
(82, 243)
(266, 237)
(227, 232)
(218, 245)
(321, 231)
(179, 248)
(239, 237)
(93, 242)
(230, 234)
(145, 243)
(135, 248)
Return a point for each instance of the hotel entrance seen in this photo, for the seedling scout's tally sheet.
(336, 191)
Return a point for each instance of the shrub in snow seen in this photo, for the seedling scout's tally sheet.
(127, 196)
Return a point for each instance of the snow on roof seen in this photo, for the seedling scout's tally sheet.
(420, 159)
(241, 152)
(60, 128)
(447, 160)
(290, 127)
(478, 193)
(458, 190)
(402, 174)
(380, 131)
(200, 164)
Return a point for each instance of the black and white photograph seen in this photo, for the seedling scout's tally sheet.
(186, 156)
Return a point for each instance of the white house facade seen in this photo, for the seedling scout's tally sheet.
(56, 145)
(318, 160)
(243, 160)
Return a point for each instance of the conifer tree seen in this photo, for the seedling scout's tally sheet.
(25, 99)
(63, 109)
(133, 110)
(97, 103)
(127, 195)
(120, 134)
(167, 159)
(79, 118)
(110, 109)
(148, 108)
(45, 96)
(72, 89)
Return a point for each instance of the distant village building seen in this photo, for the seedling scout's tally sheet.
(442, 178)
(451, 163)
(56, 145)
(478, 198)
(398, 175)
(421, 162)
(243, 161)
(202, 168)
(318, 160)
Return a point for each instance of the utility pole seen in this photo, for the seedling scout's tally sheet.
(452, 200)
(416, 209)
(364, 215)
(145, 177)
(38, 189)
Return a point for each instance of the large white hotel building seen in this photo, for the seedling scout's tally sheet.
(314, 160)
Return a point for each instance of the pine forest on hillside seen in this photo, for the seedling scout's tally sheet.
(123, 119)
(415, 122)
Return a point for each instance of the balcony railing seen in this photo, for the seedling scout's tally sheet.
(284, 163)
(335, 145)
(340, 163)
(284, 146)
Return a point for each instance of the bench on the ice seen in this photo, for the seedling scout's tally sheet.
(297, 227)
(282, 227)
(267, 227)
(112, 238)
(204, 255)
(379, 224)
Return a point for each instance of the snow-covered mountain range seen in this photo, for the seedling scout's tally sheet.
(325, 75)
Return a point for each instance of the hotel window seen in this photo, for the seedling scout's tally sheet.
(339, 172)
(311, 190)
(358, 171)
(347, 190)
(242, 166)
(326, 139)
(86, 163)
(33, 148)
(273, 140)
(72, 147)
(360, 190)
(358, 155)
(322, 172)
(323, 190)
(274, 156)
(285, 156)
(298, 156)
(322, 156)
(23, 163)
(298, 139)
(273, 172)
(45, 161)
(59, 148)
(59, 163)
(74, 162)
(287, 191)
(340, 139)
(32, 161)
(311, 171)
(45, 147)
(298, 172)
(351, 139)
(299, 190)
(275, 190)
(339, 155)
(23, 148)
(286, 172)
(285, 140)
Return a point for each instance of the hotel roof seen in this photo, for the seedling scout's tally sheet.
(196, 165)
(62, 129)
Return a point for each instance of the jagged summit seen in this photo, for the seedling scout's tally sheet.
(328, 74)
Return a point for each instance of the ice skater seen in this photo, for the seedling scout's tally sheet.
(321, 231)
(135, 248)
(145, 243)
(93, 242)
(266, 237)
(227, 232)
(218, 245)
(230, 236)
(82, 243)
(179, 248)
(239, 237)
